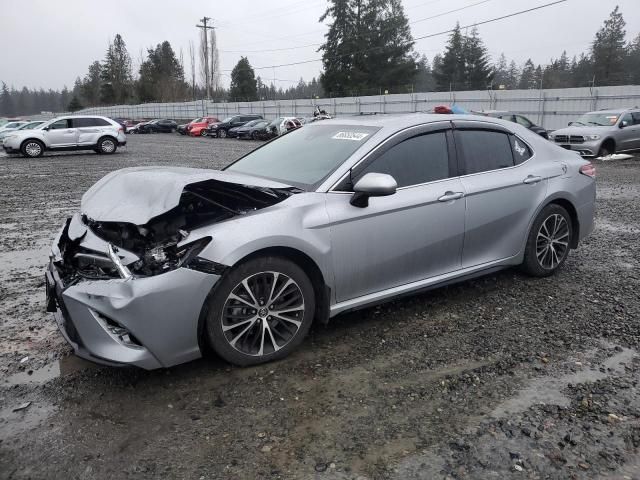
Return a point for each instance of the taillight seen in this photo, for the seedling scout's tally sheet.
(121, 129)
(589, 170)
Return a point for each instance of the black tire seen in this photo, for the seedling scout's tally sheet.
(203, 133)
(32, 148)
(257, 273)
(254, 135)
(539, 259)
(107, 145)
(606, 149)
(222, 133)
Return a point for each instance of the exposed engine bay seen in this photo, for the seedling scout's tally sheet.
(153, 248)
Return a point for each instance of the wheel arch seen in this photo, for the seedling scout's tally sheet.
(609, 141)
(321, 289)
(29, 139)
(106, 136)
(573, 214)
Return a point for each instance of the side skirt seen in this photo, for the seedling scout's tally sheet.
(421, 286)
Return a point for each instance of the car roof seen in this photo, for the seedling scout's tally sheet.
(615, 110)
(401, 121)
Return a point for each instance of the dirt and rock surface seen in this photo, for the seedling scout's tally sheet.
(501, 377)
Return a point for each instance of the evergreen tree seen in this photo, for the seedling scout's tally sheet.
(477, 70)
(527, 78)
(513, 77)
(243, 82)
(633, 61)
(501, 73)
(608, 51)
(338, 47)
(74, 104)
(389, 62)
(161, 76)
(424, 81)
(92, 84)
(116, 73)
(6, 102)
(450, 71)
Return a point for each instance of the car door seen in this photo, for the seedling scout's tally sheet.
(61, 134)
(411, 235)
(504, 187)
(89, 129)
(628, 137)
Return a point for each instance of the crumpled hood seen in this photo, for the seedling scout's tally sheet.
(579, 130)
(136, 195)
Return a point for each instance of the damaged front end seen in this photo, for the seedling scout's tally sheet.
(132, 293)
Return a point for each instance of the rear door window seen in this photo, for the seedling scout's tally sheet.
(484, 150)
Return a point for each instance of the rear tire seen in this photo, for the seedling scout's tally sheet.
(107, 145)
(32, 148)
(549, 242)
(263, 324)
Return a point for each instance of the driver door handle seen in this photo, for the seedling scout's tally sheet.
(448, 196)
(531, 179)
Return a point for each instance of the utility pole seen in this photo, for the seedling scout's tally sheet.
(205, 28)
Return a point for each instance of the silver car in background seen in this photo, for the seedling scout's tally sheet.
(75, 132)
(601, 133)
(161, 263)
(25, 126)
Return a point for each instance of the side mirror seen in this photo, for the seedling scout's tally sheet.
(372, 185)
(623, 124)
(569, 124)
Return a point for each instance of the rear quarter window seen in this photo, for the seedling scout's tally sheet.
(521, 151)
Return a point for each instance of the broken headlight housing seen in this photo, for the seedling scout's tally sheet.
(167, 257)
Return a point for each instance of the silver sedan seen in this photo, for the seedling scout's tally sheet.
(161, 263)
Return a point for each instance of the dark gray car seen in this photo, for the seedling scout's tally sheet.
(160, 263)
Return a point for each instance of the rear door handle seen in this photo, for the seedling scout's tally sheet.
(448, 196)
(531, 179)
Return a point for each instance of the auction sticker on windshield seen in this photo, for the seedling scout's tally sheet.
(357, 136)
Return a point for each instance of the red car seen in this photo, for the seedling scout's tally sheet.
(198, 127)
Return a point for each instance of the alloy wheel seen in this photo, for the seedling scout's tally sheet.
(263, 313)
(108, 146)
(552, 242)
(33, 149)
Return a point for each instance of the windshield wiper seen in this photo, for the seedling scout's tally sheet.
(578, 122)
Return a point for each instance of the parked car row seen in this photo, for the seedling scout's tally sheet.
(594, 134)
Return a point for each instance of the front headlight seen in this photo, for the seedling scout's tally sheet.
(592, 137)
(164, 258)
(552, 136)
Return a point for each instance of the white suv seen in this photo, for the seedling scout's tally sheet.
(75, 132)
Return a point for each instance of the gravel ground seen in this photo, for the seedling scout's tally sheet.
(500, 377)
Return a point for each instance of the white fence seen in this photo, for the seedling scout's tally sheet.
(551, 109)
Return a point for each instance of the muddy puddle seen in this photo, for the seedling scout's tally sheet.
(59, 368)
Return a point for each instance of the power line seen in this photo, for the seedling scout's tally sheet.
(444, 32)
(319, 44)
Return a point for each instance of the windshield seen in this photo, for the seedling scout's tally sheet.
(252, 123)
(227, 120)
(29, 126)
(597, 119)
(304, 157)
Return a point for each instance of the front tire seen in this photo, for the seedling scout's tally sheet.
(107, 145)
(32, 148)
(222, 133)
(549, 242)
(203, 133)
(260, 311)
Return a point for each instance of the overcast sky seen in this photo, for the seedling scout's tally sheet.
(48, 44)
